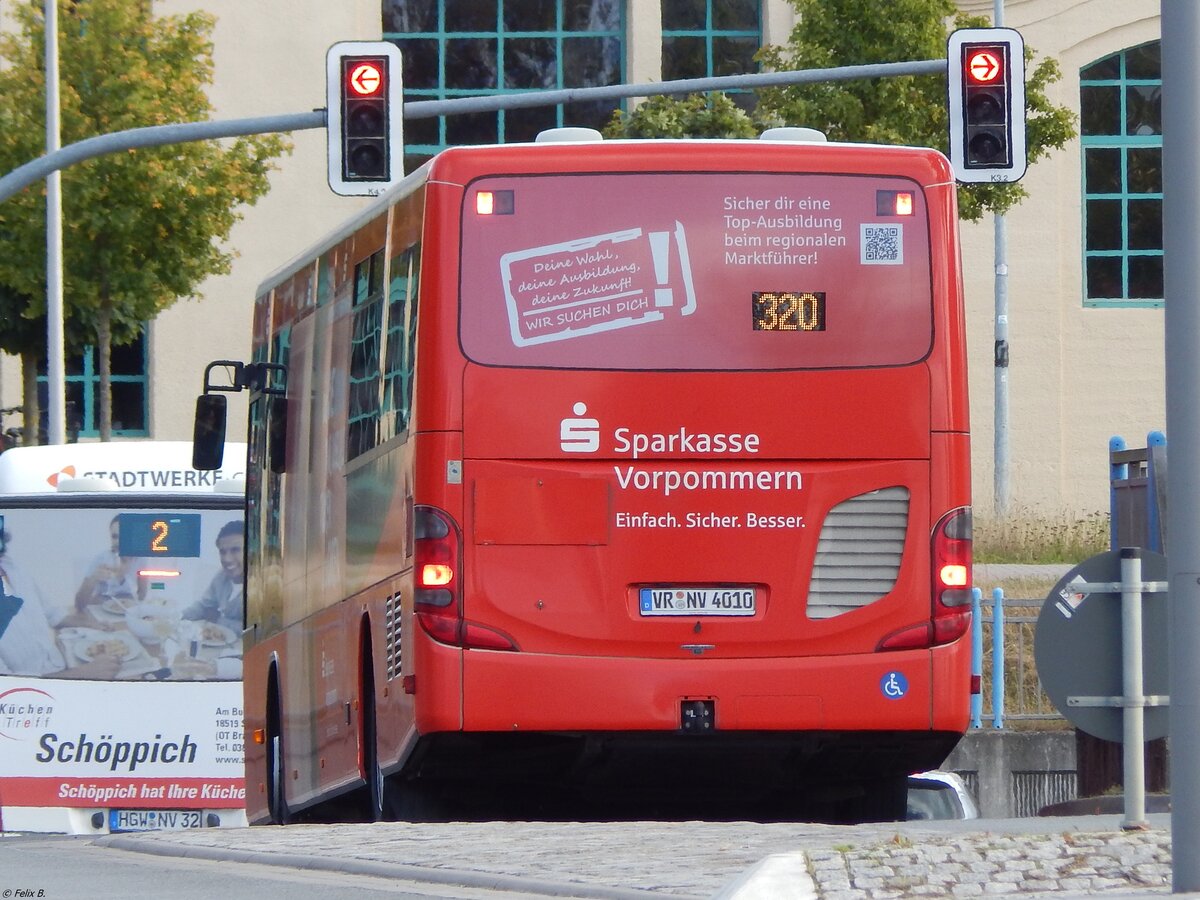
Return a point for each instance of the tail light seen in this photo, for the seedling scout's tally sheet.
(950, 616)
(952, 576)
(437, 594)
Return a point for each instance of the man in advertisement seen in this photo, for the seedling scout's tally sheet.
(222, 601)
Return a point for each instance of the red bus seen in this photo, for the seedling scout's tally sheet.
(645, 458)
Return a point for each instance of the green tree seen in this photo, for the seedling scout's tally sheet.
(142, 228)
(26, 338)
(907, 110)
(694, 116)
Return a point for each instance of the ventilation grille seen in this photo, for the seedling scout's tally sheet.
(859, 552)
(393, 630)
(1033, 790)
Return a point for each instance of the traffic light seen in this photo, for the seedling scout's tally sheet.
(986, 82)
(364, 117)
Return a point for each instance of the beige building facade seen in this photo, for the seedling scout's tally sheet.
(1080, 371)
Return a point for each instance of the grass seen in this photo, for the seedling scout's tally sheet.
(1028, 536)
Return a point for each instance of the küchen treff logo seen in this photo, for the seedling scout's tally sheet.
(24, 712)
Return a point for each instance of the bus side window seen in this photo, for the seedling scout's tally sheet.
(277, 434)
(401, 341)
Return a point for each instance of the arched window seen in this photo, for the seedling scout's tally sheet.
(1120, 106)
(472, 48)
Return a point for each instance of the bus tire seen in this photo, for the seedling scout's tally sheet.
(277, 804)
(373, 793)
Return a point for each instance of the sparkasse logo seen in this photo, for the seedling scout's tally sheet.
(577, 434)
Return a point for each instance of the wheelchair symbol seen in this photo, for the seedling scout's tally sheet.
(893, 685)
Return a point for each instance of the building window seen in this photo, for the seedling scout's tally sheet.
(707, 38)
(1120, 103)
(128, 366)
(475, 48)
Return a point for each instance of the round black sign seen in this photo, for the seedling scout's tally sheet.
(1077, 646)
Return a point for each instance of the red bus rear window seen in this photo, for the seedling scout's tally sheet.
(695, 271)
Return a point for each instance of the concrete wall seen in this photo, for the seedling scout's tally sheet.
(1013, 773)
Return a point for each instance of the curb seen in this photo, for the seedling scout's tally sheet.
(452, 877)
(781, 876)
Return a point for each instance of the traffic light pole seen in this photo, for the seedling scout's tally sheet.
(1181, 225)
(160, 135)
(1001, 489)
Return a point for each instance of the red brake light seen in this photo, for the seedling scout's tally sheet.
(950, 614)
(437, 595)
(952, 576)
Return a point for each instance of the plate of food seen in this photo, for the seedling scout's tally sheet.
(119, 604)
(123, 647)
(152, 622)
(214, 635)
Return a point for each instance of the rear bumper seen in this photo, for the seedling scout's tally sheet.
(912, 691)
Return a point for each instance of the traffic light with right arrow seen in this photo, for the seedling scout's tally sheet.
(986, 83)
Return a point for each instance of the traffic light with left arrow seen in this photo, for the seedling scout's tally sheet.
(365, 117)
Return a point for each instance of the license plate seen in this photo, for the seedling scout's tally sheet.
(692, 601)
(154, 819)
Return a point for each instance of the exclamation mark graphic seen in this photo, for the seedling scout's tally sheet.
(660, 248)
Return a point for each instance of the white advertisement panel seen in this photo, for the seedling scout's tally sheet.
(129, 745)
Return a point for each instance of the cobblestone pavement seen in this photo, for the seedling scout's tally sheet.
(737, 861)
(980, 865)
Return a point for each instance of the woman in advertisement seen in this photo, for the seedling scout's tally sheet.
(28, 644)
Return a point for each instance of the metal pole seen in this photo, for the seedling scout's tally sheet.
(1180, 24)
(1001, 490)
(997, 658)
(56, 370)
(976, 702)
(1133, 705)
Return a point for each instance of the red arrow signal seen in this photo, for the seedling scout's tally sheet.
(366, 79)
(984, 66)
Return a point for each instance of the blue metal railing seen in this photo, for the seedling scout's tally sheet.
(1011, 641)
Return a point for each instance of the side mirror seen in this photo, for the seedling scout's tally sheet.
(208, 435)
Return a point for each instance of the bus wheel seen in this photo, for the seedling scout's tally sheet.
(373, 805)
(276, 797)
(374, 791)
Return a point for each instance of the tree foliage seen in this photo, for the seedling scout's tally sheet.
(694, 116)
(908, 110)
(141, 228)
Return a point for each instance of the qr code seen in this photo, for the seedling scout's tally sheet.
(882, 245)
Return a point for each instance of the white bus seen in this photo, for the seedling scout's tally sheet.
(121, 615)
